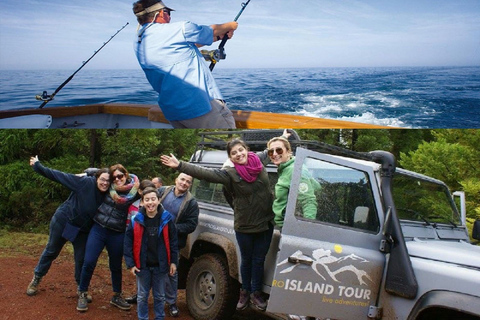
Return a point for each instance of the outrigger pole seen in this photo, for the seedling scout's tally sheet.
(47, 98)
(219, 54)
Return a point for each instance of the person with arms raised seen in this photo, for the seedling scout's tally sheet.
(246, 181)
(72, 220)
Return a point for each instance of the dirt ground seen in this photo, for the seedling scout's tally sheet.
(57, 297)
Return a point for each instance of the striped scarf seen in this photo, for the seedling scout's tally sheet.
(131, 188)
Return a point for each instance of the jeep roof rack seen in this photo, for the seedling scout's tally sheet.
(257, 141)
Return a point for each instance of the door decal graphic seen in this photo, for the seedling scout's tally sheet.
(325, 264)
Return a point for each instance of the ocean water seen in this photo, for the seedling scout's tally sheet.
(414, 97)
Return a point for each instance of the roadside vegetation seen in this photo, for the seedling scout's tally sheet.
(27, 200)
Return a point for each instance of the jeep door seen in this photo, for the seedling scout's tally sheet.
(329, 264)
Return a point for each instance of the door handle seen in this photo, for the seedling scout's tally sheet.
(296, 260)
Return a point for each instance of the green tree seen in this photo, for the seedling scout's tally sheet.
(452, 157)
(405, 140)
(369, 140)
(12, 145)
(28, 199)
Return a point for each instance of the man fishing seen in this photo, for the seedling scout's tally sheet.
(168, 54)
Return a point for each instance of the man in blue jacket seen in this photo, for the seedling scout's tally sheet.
(168, 54)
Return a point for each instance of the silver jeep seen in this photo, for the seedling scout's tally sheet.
(386, 243)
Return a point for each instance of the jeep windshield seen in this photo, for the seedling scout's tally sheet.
(423, 199)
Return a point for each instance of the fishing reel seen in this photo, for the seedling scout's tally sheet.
(214, 55)
(44, 97)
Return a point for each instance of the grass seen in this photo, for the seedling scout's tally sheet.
(20, 243)
(14, 243)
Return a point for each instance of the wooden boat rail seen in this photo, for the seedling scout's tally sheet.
(243, 119)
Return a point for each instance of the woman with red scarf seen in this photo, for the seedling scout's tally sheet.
(246, 180)
(109, 231)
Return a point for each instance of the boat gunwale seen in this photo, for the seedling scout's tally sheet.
(243, 119)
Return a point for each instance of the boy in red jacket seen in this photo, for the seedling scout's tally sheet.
(151, 252)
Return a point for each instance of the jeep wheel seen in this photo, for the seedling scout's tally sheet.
(211, 293)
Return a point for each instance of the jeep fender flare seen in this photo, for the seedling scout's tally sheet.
(438, 299)
(225, 245)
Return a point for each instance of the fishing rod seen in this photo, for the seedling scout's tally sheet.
(219, 54)
(49, 97)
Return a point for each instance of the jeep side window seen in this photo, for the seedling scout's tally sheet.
(343, 196)
(213, 192)
(422, 200)
(208, 192)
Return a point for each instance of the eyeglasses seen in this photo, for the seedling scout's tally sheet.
(168, 11)
(278, 150)
(118, 176)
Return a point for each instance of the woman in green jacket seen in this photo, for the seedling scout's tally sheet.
(246, 179)
(280, 153)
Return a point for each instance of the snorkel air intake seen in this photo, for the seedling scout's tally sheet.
(400, 278)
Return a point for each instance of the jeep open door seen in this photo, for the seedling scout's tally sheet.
(329, 264)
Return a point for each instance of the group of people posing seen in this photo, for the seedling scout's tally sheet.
(139, 222)
(147, 225)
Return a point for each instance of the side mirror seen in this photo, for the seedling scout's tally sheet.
(476, 230)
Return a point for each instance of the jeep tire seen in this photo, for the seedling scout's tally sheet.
(211, 292)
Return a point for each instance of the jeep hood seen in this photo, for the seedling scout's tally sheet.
(461, 253)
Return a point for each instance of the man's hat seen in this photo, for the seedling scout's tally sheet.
(152, 6)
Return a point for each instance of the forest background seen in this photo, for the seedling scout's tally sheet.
(28, 200)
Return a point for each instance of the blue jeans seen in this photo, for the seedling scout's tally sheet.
(151, 278)
(54, 247)
(98, 239)
(253, 250)
(171, 288)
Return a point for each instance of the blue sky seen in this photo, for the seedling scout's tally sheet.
(53, 34)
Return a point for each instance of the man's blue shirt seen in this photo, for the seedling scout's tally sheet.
(176, 69)
(172, 203)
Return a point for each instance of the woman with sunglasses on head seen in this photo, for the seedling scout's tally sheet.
(246, 180)
(109, 231)
(72, 219)
(279, 151)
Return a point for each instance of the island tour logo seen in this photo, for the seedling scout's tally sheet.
(329, 269)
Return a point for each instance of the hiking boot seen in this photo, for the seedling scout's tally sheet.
(89, 297)
(119, 302)
(242, 300)
(132, 299)
(82, 304)
(32, 288)
(258, 301)
(173, 309)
